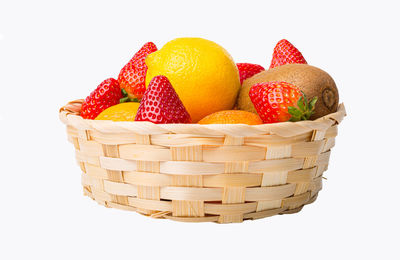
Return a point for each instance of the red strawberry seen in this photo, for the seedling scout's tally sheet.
(133, 75)
(280, 101)
(286, 53)
(107, 94)
(161, 104)
(247, 70)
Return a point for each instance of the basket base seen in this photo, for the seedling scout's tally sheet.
(207, 218)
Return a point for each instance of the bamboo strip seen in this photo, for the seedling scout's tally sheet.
(87, 192)
(307, 149)
(331, 132)
(87, 180)
(323, 158)
(292, 211)
(120, 206)
(233, 194)
(96, 171)
(302, 187)
(312, 199)
(296, 201)
(285, 129)
(143, 191)
(160, 214)
(278, 151)
(270, 193)
(236, 167)
(83, 157)
(193, 219)
(229, 209)
(143, 138)
(329, 144)
(274, 178)
(155, 205)
(101, 195)
(114, 139)
(233, 140)
(148, 192)
(304, 175)
(147, 178)
(268, 204)
(144, 152)
(187, 180)
(310, 161)
(288, 164)
(265, 140)
(235, 180)
(188, 168)
(321, 169)
(263, 214)
(316, 186)
(192, 208)
(186, 140)
(117, 164)
(189, 193)
(120, 188)
(192, 153)
(90, 147)
(233, 153)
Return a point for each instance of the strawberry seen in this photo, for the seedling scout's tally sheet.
(286, 53)
(107, 94)
(280, 101)
(161, 104)
(132, 76)
(247, 70)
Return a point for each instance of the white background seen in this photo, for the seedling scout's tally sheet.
(53, 52)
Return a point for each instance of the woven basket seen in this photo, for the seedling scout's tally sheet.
(198, 173)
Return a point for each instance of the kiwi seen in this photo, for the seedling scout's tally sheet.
(313, 81)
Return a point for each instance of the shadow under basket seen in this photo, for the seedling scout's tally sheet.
(202, 173)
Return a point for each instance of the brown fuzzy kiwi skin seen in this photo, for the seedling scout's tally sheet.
(313, 81)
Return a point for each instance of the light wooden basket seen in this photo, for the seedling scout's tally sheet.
(198, 173)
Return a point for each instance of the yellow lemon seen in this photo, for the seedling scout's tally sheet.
(202, 73)
(121, 112)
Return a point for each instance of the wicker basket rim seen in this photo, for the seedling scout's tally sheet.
(69, 115)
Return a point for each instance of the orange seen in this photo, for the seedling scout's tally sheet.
(203, 74)
(232, 117)
(121, 112)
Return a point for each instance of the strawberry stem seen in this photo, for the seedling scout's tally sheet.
(124, 93)
(126, 98)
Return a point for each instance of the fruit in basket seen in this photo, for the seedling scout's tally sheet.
(107, 94)
(247, 70)
(286, 53)
(161, 104)
(232, 117)
(280, 101)
(203, 74)
(133, 74)
(313, 81)
(120, 112)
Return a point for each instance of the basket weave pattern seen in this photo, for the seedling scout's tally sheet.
(197, 173)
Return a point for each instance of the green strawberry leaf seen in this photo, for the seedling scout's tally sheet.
(312, 103)
(304, 109)
(300, 103)
(296, 114)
